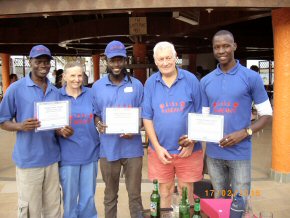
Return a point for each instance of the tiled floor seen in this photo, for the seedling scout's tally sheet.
(268, 195)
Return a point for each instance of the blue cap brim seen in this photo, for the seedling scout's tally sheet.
(116, 55)
(36, 56)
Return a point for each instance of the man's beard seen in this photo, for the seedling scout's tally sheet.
(122, 73)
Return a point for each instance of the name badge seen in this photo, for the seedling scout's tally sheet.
(128, 89)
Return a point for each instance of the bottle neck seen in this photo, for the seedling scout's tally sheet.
(155, 188)
(184, 196)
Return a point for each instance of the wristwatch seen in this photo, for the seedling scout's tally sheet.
(249, 131)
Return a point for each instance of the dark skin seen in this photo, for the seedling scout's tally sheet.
(40, 67)
(224, 47)
(186, 146)
(236, 137)
(116, 70)
(184, 141)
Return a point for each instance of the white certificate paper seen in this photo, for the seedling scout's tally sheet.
(205, 127)
(122, 120)
(52, 114)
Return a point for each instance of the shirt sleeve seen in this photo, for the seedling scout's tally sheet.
(140, 94)
(196, 96)
(264, 108)
(205, 102)
(147, 110)
(96, 108)
(258, 91)
(7, 106)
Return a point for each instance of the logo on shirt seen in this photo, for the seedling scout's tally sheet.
(222, 107)
(172, 107)
(79, 118)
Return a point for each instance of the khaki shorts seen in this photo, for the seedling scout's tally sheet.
(187, 169)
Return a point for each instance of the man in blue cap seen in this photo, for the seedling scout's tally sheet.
(118, 89)
(36, 154)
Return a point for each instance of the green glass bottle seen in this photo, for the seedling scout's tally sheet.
(155, 201)
(196, 213)
(184, 206)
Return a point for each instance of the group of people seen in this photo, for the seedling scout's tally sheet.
(69, 156)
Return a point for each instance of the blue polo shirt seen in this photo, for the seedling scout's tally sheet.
(32, 149)
(126, 94)
(83, 146)
(168, 108)
(231, 94)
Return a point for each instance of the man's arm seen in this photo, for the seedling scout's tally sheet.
(162, 153)
(265, 115)
(101, 127)
(265, 112)
(97, 120)
(236, 137)
(261, 123)
(31, 124)
(28, 125)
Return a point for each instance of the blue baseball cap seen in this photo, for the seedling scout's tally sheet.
(39, 50)
(114, 49)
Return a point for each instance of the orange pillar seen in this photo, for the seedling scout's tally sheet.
(5, 71)
(139, 54)
(96, 63)
(281, 119)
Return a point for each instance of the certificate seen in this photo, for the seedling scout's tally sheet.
(205, 127)
(52, 114)
(122, 120)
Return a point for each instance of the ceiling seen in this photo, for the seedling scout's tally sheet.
(84, 33)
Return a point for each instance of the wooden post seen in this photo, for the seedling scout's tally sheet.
(5, 71)
(96, 63)
(139, 54)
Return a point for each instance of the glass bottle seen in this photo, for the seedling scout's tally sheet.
(184, 206)
(196, 213)
(155, 201)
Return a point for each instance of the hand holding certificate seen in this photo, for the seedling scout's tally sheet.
(52, 114)
(205, 127)
(122, 120)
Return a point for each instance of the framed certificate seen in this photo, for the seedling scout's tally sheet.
(122, 120)
(52, 114)
(205, 127)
